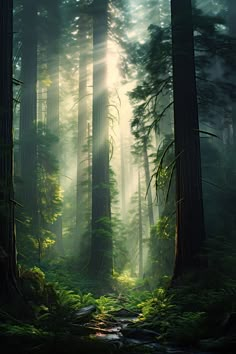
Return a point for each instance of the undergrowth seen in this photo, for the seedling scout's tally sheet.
(195, 309)
(186, 314)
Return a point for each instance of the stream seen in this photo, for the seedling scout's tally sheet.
(122, 336)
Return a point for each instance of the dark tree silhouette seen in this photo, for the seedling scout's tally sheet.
(101, 247)
(28, 112)
(83, 116)
(189, 204)
(7, 234)
(232, 31)
(53, 93)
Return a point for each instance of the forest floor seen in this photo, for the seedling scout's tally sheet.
(122, 334)
(93, 332)
(189, 319)
(117, 333)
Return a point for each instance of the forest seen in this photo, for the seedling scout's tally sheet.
(118, 176)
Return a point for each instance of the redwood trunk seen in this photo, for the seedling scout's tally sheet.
(232, 32)
(28, 112)
(101, 247)
(53, 95)
(7, 231)
(148, 179)
(82, 163)
(189, 204)
(140, 232)
(123, 175)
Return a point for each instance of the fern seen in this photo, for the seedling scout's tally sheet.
(21, 330)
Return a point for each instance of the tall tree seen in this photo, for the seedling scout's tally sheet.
(123, 174)
(148, 180)
(142, 137)
(101, 246)
(82, 160)
(189, 204)
(7, 238)
(140, 232)
(28, 112)
(232, 31)
(53, 94)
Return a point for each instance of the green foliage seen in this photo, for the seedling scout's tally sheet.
(152, 60)
(62, 313)
(107, 304)
(162, 235)
(33, 286)
(120, 244)
(67, 300)
(165, 228)
(64, 271)
(119, 230)
(50, 194)
(189, 311)
(133, 299)
(161, 249)
(157, 306)
(164, 161)
(187, 328)
(35, 242)
(162, 313)
(197, 305)
(55, 308)
(132, 224)
(123, 281)
(22, 329)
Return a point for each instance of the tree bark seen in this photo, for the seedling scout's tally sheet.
(28, 113)
(101, 247)
(82, 163)
(148, 179)
(123, 175)
(53, 96)
(232, 32)
(7, 228)
(189, 204)
(140, 232)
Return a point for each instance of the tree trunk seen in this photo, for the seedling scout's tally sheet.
(53, 95)
(101, 247)
(82, 162)
(140, 232)
(232, 32)
(7, 229)
(189, 204)
(89, 175)
(123, 174)
(28, 113)
(148, 185)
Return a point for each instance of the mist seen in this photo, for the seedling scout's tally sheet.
(117, 176)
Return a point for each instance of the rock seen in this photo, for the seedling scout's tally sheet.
(85, 312)
(139, 334)
(226, 345)
(143, 346)
(124, 313)
(81, 330)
